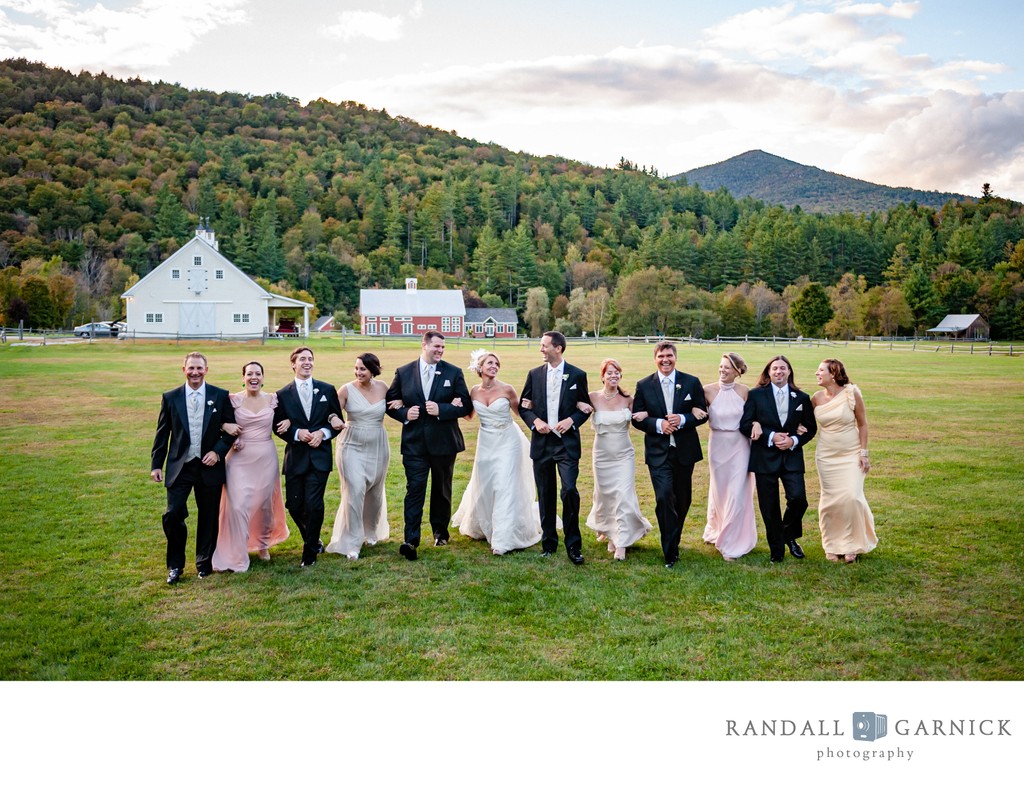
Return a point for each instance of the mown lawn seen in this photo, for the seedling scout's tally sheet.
(82, 567)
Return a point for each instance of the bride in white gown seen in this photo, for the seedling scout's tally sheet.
(499, 503)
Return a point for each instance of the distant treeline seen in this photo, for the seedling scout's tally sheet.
(101, 179)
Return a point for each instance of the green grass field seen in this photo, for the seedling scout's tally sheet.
(82, 553)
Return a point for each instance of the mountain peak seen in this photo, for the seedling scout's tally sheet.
(776, 180)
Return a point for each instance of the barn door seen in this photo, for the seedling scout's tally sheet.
(197, 319)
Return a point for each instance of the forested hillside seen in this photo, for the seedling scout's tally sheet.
(100, 179)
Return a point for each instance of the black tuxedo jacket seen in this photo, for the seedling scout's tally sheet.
(573, 391)
(172, 439)
(689, 394)
(299, 457)
(430, 435)
(760, 407)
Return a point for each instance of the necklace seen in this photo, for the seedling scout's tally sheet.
(606, 397)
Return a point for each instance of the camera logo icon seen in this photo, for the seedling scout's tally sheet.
(869, 726)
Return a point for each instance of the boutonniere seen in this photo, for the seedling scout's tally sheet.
(316, 390)
(437, 373)
(209, 403)
(679, 387)
(792, 394)
(565, 377)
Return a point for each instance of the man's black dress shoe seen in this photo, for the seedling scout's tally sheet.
(440, 541)
(305, 564)
(775, 560)
(173, 575)
(670, 564)
(319, 547)
(203, 573)
(546, 553)
(795, 550)
(575, 558)
(408, 551)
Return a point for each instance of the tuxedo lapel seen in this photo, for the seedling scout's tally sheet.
(315, 402)
(773, 409)
(540, 383)
(181, 405)
(438, 376)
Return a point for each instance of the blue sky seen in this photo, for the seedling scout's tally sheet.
(926, 94)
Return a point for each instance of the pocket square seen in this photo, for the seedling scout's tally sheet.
(798, 409)
(323, 398)
(573, 387)
(688, 398)
(447, 383)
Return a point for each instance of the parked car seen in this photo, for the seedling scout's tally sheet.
(99, 329)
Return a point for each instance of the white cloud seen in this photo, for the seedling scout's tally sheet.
(371, 24)
(830, 88)
(144, 35)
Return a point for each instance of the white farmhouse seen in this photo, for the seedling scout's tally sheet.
(197, 293)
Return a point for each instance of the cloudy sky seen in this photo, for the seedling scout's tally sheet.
(928, 94)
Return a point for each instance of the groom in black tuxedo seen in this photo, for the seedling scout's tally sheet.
(433, 396)
(306, 407)
(786, 421)
(551, 395)
(189, 438)
(675, 406)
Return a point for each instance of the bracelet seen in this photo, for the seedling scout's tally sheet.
(864, 453)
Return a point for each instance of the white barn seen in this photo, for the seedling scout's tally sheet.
(198, 293)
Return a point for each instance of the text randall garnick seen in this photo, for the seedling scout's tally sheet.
(780, 727)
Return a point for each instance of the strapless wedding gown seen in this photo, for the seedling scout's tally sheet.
(499, 503)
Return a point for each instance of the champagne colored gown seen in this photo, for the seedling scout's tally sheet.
(844, 517)
(500, 502)
(731, 526)
(252, 515)
(616, 510)
(362, 456)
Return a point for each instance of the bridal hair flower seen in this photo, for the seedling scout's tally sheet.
(475, 357)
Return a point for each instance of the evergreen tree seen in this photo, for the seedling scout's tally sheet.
(811, 310)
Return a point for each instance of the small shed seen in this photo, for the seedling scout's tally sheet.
(971, 327)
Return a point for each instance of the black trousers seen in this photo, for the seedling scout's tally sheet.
(673, 492)
(781, 528)
(304, 499)
(190, 480)
(554, 467)
(439, 470)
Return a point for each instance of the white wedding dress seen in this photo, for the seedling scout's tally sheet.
(499, 503)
